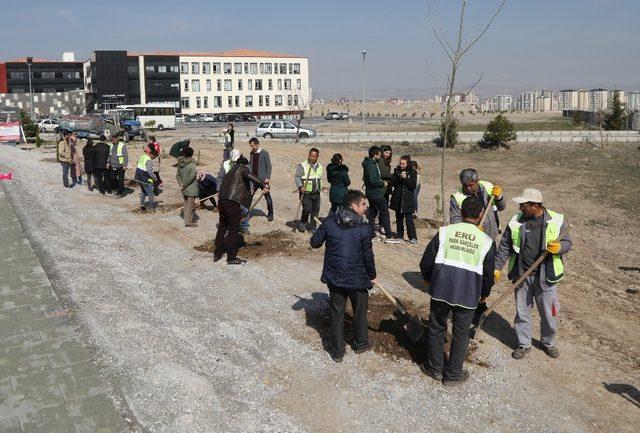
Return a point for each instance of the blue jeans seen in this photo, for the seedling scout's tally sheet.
(244, 223)
(147, 191)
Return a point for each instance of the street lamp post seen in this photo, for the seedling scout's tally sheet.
(29, 62)
(364, 55)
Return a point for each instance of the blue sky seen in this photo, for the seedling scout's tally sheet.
(533, 43)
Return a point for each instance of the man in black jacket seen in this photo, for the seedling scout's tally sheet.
(234, 193)
(260, 166)
(101, 153)
(349, 270)
(458, 266)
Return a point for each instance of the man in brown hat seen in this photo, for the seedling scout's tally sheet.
(529, 233)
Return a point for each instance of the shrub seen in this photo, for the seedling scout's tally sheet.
(499, 131)
(452, 132)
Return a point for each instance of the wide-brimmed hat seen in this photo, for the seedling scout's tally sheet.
(529, 195)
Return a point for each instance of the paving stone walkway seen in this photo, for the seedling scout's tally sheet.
(47, 382)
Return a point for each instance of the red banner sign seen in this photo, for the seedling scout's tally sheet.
(10, 132)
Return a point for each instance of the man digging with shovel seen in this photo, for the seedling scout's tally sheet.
(459, 263)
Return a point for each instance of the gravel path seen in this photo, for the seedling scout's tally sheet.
(186, 345)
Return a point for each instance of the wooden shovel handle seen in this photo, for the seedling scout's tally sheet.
(487, 210)
(254, 205)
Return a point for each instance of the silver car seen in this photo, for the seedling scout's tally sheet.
(282, 129)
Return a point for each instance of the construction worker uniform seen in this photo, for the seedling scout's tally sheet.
(491, 224)
(118, 162)
(458, 262)
(311, 195)
(522, 243)
(146, 178)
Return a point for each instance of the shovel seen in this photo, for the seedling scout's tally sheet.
(510, 289)
(414, 327)
(487, 210)
(253, 205)
(306, 181)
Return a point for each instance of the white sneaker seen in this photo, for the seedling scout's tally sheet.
(392, 241)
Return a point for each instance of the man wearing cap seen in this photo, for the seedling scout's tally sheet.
(529, 233)
(483, 190)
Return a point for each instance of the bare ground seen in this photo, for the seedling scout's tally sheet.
(188, 345)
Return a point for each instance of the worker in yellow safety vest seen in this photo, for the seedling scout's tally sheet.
(308, 180)
(118, 161)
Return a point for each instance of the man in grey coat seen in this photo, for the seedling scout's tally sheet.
(530, 232)
(260, 166)
(483, 190)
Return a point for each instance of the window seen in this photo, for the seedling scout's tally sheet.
(195, 68)
(205, 102)
(283, 68)
(230, 101)
(162, 69)
(264, 125)
(237, 101)
(237, 68)
(219, 85)
(216, 68)
(276, 125)
(290, 68)
(275, 68)
(296, 68)
(217, 101)
(287, 125)
(70, 74)
(258, 84)
(248, 101)
(227, 68)
(295, 100)
(18, 75)
(289, 100)
(208, 85)
(260, 100)
(250, 86)
(186, 85)
(279, 84)
(198, 102)
(246, 68)
(195, 85)
(270, 84)
(149, 68)
(299, 84)
(268, 68)
(227, 85)
(287, 84)
(278, 100)
(184, 68)
(206, 68)
(184, 102)
(266, 100)
(48, 75)
(262, 68)
(173, 68)
(254, 68)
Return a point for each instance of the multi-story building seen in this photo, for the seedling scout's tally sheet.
(568, 99)
(621, 95)
(535, 100)
(633, 100)
(583, 100)
(47, 76)
(504, 102)
(257, 82)
(598, 99)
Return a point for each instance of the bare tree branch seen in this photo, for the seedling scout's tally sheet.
(481, 34)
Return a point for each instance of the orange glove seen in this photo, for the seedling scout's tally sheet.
(554, 247)
(496, 191)
(497, 275)
(481, 228)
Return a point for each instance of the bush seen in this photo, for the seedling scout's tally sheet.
(576, 118)
(30, 129)
(404, 143)
(499, 131)
(150, 124)
(452, 133)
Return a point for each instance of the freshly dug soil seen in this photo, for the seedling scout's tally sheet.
(427, 223)
(271, 244)
(162, 208)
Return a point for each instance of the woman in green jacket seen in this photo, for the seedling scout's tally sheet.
(338, 177)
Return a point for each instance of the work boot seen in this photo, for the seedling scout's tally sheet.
(302, 227)
(270, 218)
(236, 261)
(216, 257)
(432, 374)
(336, 358)
(520, 352)
(453, 382)
(367, 347)
(551, 351)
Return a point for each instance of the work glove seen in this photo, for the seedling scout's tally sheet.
(496, 191)
(481, 228)
(554, 247)
(497, 275)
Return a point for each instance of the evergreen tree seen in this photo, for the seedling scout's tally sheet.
(499, 131)
(615, 120)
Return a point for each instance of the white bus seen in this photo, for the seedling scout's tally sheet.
(162, 116)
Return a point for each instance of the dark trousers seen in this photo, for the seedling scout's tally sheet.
(65, 173)
(157, 183)
(268, 199)
(91, 176)
(411, 227)
(359, 303)
(462, 318)
(310, 207)
(378, 207)
(416, 194)
(208, 192)
(228, 229)
(118, 176)
(102, 179)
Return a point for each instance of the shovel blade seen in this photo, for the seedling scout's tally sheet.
(414, 328)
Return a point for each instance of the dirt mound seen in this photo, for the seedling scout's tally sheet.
(162, 208)
(275, 243)
(427, 223)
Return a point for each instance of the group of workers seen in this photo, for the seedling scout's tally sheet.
(460, 264)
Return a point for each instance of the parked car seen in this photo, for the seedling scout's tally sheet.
(249, 117)
(282, 129)
(209, 118)
(48, 125)
(180, 118)
(332, 115)
(344, 116)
